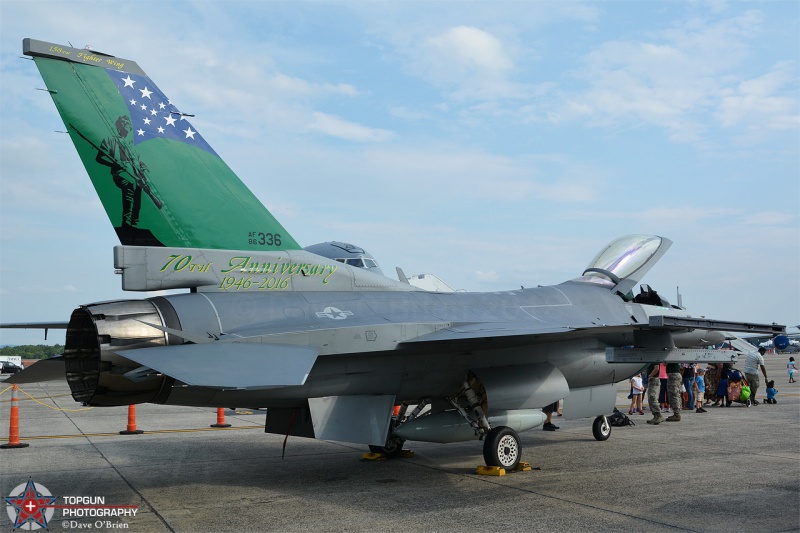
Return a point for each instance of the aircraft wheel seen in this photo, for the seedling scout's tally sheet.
(393, 447)
(502, 448)
(601, 429)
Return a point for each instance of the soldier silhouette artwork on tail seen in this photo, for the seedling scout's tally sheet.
(167, 186)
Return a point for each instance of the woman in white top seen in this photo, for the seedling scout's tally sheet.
(636, 395)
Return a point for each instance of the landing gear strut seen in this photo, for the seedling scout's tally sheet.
(394, 444)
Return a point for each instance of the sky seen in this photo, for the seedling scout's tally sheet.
(494, 144)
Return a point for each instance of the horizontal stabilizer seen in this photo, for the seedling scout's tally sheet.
(50, 369)
(228, 365)
(35, 325)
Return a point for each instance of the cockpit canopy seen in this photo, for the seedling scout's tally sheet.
(625, 261)
(360, 262)
(346, 253)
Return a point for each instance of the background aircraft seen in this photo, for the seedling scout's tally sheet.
(327, 347)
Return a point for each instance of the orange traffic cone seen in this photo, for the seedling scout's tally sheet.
(131, 423)
(13, 423)
(220, 419)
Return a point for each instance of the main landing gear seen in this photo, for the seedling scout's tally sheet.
(392, 449)
(601, 429)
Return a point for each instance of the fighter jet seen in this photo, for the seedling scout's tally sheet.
(327, 347)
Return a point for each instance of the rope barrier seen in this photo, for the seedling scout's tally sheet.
(44, 404)
(25, 399)
(54, 408)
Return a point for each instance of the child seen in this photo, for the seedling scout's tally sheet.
(636, 395)
(791, 369)
(699, 389)
(771, 392)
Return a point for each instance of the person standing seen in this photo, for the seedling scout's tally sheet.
(549, 410)
(791, 369)
(711, 381)
(674, 391)
(662, 377)
(653, 386)
(700, 387)
(636, 395)
(687, 375)
(751, 364)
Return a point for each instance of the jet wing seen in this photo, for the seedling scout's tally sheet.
(513, 333)
(516, 332)
(484, 330)
(228, 365)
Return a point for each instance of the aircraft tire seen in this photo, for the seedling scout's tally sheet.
(393, 447)
(502, 448)
(601, 429)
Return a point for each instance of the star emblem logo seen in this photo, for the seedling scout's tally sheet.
(334, 313)
(29, 506)
(146, 102)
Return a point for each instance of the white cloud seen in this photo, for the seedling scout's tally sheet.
(769, 101)
(469, 63)
(470, 50)
(675, 216)
(681, 79)
(771, 218)
(344, 129)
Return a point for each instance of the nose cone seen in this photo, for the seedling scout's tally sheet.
(781, 342)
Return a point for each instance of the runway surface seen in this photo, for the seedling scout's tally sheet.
(730, 469)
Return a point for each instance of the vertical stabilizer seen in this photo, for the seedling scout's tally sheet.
(160, 182)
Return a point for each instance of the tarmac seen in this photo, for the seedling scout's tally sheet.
(730, 469)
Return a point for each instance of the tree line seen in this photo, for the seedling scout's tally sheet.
(33, 351)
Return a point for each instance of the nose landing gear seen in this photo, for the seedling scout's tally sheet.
(502, 448)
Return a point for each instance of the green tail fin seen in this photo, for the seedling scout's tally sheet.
(159, 181)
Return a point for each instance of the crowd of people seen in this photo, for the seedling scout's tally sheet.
(674, 387)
